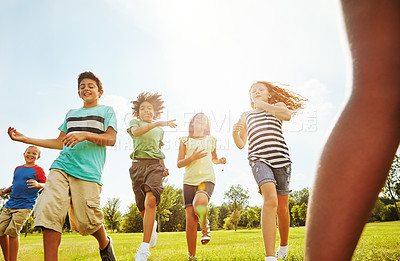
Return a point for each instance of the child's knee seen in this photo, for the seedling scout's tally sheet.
(270, 202)
(200, 199)
(282, 209)
(151, 201)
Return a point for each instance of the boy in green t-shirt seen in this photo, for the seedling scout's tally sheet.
(148, 167)
(74, 182)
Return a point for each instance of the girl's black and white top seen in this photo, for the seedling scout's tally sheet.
(266, 142)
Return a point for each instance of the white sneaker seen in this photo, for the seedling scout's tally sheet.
(282, 252)
(142, 254)
(153, 239)
(271, 258)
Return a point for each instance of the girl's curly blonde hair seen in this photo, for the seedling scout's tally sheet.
(153, 98)
(293, 101)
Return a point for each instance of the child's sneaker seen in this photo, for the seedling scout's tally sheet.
(107, 254)
(282, 252)
(143, 252)
(153, 239)
(271, 258)
(206, 234)
(192, 257)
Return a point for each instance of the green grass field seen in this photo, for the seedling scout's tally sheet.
(380, 241)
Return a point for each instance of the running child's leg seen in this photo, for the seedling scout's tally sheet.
(5, 243)
(14, 246)
(283, 219)
(149, 215)
(200, 203)
(191, 230)
(101, 237)
(268, 217)
(51, 243)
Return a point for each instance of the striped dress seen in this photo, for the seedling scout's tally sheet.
(266, 142)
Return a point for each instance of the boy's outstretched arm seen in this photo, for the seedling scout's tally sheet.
(360, 150)
(5, 191)
(45, 143)
(137, 131)
(106, 139)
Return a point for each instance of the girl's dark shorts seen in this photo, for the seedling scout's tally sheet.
(189, 192)
(146, 175)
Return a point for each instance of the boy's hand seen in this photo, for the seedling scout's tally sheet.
(165, 173)
(198, 154)
(222, 160)
(33, 183)
(170, 123)
(2, 193)
(74, 138)
(15, 135)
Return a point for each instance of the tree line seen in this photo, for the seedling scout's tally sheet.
(234, 213)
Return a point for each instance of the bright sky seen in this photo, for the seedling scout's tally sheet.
(200, 55)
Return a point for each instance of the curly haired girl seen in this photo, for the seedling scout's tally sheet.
(269, 157)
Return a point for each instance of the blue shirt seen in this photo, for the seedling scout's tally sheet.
(21, 196)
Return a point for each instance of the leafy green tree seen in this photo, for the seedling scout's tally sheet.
(300, 196)
(252, 217)
(177, 219)
(388, 213)
(303, 213)
(132, 220)
(213, 216)
(235, 217)
(223, 213)
(392, 187)
(168, 201)
(299, 214)
(243, 218)
(237, 197)
(292, 203)
(295, 213)
(375, 215)
(112, 215)
(228, 225)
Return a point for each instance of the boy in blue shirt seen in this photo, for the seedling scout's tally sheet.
(74, 182)
(27, 181)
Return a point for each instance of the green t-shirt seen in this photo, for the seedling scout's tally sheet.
(147, 145)
(85, 160)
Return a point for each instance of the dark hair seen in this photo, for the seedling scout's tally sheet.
(92, 76)
(191, 125)
(153, 98)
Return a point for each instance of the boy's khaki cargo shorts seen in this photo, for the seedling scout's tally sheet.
(63, 193)
(12, 220)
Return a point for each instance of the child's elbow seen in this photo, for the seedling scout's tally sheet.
(287, 117)
(112, 141)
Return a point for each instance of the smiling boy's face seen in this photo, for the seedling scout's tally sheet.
(31, 155)
(146, 112)
(89, 92)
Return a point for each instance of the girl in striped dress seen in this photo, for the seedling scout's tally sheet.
(269, 157)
